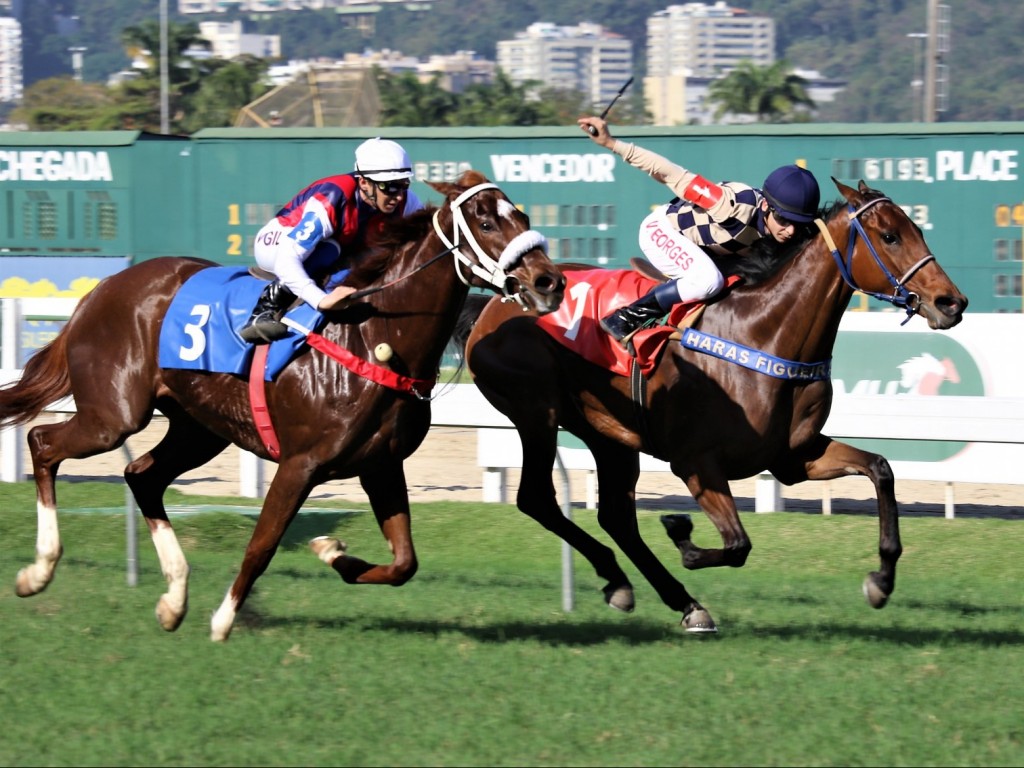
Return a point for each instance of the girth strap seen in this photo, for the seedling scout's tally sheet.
(258, 402)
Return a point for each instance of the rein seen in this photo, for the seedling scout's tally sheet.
(900, 297)
(377, 288)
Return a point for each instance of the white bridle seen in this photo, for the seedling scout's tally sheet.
(484, 267)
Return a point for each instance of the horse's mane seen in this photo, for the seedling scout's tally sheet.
(370, 263)
(768, 256)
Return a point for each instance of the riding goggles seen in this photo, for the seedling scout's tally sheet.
(392, 187)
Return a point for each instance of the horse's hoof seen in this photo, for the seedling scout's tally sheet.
(874, 594)
(699, 622)
(26, 585)
(620, 598)
(169, 617)
(679, 527)
(327, 548)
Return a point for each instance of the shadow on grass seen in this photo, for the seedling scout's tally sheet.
(586, 633)
(595, 633)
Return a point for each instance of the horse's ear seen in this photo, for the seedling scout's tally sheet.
(847, 192)
(444, 188)
(466, 181)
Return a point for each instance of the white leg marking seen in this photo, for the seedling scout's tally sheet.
(223, 619)
(33, 579)
(171, 607)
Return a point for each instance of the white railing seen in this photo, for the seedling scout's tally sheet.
(986, 423)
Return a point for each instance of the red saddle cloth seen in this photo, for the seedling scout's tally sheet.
(595, 293)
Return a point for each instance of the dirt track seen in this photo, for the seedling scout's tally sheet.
(444, 468)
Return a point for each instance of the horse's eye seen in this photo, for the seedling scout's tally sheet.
(889, 238)
(486, 226)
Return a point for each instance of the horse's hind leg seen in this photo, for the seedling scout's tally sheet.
(186, 445)
(83, 435)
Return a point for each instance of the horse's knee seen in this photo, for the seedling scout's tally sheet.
(882, 470)
(736, 554)
(404, 571)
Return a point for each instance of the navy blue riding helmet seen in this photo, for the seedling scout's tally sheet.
(793, 192)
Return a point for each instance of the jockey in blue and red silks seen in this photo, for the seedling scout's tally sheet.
(308, 240)
(725, 219)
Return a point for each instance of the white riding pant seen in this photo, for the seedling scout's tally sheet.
(280, 254)
(696, 276)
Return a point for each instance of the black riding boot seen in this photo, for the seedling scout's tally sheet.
(265, 323)
(625, 321)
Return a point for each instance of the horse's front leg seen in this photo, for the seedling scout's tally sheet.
(835, 459)
(287, 492)
(386, 489)
(710, 489)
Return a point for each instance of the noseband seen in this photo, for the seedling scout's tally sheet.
(900, 297)
(484, 267)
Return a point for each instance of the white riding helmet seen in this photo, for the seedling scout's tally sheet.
(382, 160)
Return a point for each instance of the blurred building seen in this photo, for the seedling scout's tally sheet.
(273, 6)
(228, 41)
(584, 58)
(11, 75)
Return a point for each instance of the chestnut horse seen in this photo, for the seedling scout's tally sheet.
(712, 419)
(330, 422)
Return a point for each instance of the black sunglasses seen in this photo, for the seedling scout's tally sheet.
(784, 222)
(392, 187)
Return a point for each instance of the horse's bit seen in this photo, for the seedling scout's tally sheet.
(484, 267)
(900, 297)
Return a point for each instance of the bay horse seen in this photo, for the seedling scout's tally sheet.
(330, 422)
(712, 419)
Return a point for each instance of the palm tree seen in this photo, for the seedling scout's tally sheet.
(773, 94)
(407, 101)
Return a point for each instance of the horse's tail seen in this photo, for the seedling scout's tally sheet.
(44, 380)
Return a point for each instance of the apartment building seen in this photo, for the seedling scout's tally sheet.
(582, 58)
(272, 6)
(691, 44)
(11, 76)
(228, 41)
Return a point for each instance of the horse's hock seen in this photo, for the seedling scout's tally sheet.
(445, 469)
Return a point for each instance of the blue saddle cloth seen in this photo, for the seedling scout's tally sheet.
(200, 329)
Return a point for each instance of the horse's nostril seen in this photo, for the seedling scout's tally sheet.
(548, 285)
(951, 305)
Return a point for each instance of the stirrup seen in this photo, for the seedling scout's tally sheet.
(264, 328)
(620, 326)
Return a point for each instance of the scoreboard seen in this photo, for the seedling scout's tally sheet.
(77, 206)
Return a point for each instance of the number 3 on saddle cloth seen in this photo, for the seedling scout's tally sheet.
(595, 293)
(200, 329)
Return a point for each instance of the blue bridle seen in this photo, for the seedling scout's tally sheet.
(900, 297)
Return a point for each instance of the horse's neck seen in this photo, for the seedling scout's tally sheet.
(414, 312)
(794, 314)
